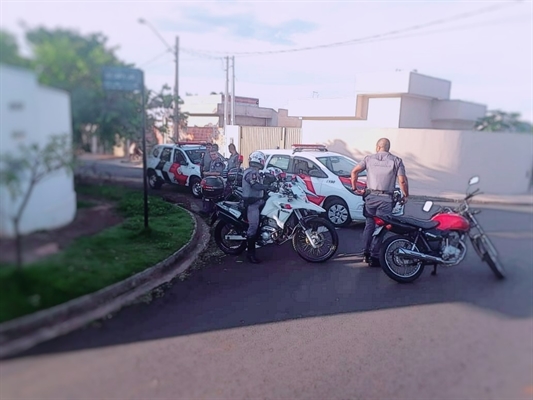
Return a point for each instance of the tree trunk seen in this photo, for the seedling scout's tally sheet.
(18, 242)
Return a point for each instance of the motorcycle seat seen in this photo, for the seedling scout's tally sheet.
(419, 223)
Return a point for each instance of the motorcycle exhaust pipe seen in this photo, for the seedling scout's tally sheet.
(420, 256)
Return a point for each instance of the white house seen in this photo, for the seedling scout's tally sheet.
(431, 132)
(31, 113)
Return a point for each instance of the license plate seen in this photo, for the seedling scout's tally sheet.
(377, 230)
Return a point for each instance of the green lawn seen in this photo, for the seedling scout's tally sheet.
(93, 262)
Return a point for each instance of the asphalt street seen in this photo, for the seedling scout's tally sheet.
(290, 329)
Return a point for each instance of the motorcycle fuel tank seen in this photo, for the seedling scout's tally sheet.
(451, 222)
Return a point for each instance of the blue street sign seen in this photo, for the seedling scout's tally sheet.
(122, 78)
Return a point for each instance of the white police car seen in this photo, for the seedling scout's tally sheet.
(177, 164)
(328, 175)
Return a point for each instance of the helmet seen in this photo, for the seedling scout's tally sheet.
(257, 159)
(277, 172)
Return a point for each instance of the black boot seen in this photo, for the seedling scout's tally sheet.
(251, 251)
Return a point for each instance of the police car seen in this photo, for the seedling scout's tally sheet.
(328, 175)
(177, 164)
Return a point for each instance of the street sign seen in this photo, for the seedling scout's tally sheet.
(122, 78)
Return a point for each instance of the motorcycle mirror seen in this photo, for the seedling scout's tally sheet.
(473, 180)
(427, 206)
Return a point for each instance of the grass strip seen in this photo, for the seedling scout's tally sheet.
(93, 262)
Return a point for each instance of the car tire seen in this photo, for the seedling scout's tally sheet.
(153, 180)
(194, 186)
(337, 212)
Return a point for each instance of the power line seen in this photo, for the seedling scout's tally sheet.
(372, 37)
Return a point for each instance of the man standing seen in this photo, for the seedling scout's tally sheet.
(206, 161)
(382, 170)
(233, 160)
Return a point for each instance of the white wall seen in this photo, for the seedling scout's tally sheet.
(232, 134)
(438, 161)
(415, 112)
(45, 112)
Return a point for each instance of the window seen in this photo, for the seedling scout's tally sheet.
(156, 151)
(179, 158)
(339, 165)
(165, 154)
(195, 156)
(279, 161)
(303, 166)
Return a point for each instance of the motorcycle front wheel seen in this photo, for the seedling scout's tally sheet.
(322, 235)
(398, 268)
(489, 254)
(233, 247)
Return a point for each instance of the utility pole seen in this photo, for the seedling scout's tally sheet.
(176, 93)
(233, 90)
(226, 95)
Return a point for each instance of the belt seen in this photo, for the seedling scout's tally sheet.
(372, 191)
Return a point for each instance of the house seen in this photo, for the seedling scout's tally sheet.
(431, 132)
(30, 114)
(206, 116)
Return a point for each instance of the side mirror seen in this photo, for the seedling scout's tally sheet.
(427, 206)
(473, 180)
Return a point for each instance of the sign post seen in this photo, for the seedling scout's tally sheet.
(130, 80)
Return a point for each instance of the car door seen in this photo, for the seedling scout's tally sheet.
(179, 168)
(164, 164)
(312, 175)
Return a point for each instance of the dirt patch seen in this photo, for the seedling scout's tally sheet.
(88, 221)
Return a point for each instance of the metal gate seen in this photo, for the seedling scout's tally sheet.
(259, 137)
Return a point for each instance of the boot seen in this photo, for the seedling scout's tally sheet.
(251, 251)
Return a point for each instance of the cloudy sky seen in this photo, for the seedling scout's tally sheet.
(483, 47)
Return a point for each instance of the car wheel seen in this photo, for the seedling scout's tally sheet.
(337, 212)
(196, 188)
(153, 180)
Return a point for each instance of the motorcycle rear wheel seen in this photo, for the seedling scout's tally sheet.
(392, 263)
(324, 236)
(232, 247)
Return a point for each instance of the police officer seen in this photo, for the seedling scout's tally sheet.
(252, 193)
(382, 170)
(233, 160)
(216, 166)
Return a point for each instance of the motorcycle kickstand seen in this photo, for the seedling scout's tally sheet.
(434, 272)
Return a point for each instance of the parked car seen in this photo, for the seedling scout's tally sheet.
(327, 174)
(177, 164)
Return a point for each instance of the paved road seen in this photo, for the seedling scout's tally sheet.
(289, 329)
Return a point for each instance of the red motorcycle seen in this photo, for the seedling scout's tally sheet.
(439, 241)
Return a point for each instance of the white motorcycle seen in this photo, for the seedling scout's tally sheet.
(286, 215)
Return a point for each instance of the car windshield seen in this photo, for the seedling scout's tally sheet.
(339, 165)
(195, 155)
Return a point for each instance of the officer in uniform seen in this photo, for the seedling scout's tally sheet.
(382, 170)
(253, 193)
(216, 166)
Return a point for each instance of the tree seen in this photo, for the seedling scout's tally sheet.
(500, 121)
(20, 173)
(160, 110)
(68, 60)
(9, 51)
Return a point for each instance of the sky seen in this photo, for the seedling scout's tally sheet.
(483, 47)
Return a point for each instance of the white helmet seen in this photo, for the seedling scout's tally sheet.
(257, 159)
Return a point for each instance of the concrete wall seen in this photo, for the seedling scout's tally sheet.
(415, 112)
(29, 114)
(438, 161)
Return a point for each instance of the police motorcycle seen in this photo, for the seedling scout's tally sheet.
(227, 186)
(438, 241)
(286, 215)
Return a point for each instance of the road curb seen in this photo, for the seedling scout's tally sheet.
(25, 332)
